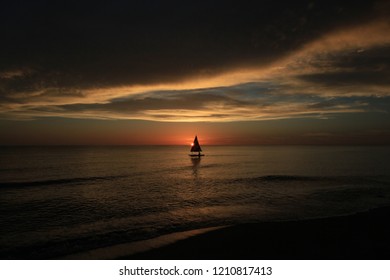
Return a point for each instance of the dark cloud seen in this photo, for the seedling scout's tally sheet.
(370, 103)
(353, 68)
(104, 43)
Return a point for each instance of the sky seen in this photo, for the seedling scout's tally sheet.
(159, 72)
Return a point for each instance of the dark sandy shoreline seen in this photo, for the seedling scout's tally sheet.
(363, 235)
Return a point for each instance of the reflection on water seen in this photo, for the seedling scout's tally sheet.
(195, 165)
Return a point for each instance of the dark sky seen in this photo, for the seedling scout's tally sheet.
(124, 64)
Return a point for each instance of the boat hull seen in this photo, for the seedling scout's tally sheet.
(196, 155)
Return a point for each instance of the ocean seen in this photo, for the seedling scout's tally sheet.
(56, 201)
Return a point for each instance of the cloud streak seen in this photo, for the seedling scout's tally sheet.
(252, 101)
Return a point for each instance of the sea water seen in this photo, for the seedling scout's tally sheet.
(56, 201)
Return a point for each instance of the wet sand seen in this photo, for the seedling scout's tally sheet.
(132, 248)
(363, 235)
(358, 236)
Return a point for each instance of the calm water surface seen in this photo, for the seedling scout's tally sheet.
(60, 200)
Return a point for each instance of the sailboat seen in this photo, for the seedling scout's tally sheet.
(195, 147)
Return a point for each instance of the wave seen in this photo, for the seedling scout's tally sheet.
(313, 178)
(63, 181)
(288, 178)
(344, 180)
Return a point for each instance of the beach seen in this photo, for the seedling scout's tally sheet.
(358, 236)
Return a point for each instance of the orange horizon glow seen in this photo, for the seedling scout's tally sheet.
(276, 132)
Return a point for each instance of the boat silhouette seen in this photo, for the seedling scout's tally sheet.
(195, 148)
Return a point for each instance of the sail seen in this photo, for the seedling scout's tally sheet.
(195, 146)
